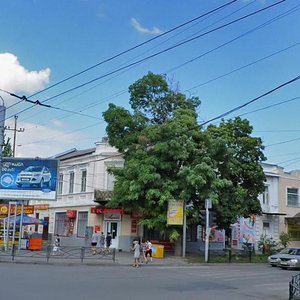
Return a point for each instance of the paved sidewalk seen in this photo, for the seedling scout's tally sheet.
(126, 258)
(121, 259)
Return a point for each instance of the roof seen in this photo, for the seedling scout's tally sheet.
(75, 153)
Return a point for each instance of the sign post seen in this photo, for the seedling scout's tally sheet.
(208, 205)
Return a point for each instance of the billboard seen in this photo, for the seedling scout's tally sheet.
(175, 212)
(28, 178)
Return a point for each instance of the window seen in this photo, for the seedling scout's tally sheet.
(266, 195)
(83, 180)
(292, 197)
(71, 183)
(61, 224)
(82, 223)
(110, 182)
(60, 183)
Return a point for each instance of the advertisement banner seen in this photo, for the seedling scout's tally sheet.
(247, 230)
(28, 178)
(28, 209)
(175, 212)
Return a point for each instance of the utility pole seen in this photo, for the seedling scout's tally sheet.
(208, 205)
(2, 120)
(15, 130)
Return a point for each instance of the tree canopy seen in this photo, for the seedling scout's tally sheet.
(7, 148)
(168, 156)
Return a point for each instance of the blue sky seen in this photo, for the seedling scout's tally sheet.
(44, 42)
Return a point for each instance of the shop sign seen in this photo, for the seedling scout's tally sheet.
(41, 206)
(175, 212)
(97, 228)
(28, 209)
(112, 217)
(101, 210)
(71, 214)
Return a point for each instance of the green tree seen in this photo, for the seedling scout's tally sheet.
(285, 239)
(7, 148)
(169, 157)
(238, 161)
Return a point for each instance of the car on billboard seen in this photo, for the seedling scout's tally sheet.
(34, 176)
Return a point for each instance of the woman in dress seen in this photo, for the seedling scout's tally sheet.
(136, 253)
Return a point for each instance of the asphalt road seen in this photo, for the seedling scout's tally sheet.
(79, 282)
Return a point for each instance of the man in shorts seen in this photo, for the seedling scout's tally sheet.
(148, 250)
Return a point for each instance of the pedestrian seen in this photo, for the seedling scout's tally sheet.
(94, 242)
(136, 253)
(108, 240)
(56, 246)
(143, 249)
(148, 250)
(102, 242)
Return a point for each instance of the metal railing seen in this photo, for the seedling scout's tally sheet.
(294, 287)
(49, 252)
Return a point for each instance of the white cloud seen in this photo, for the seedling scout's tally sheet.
(16, 79)
(137, 25)
(42, 141)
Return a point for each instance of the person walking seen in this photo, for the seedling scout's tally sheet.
(108, 240)
(56, 246)
(148, 250)
(94, 242)
(136, 253)
(144, 249)
(102, 242)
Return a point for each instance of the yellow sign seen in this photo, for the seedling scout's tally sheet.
(175, 212)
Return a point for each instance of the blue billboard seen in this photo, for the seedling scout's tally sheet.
(28, 178)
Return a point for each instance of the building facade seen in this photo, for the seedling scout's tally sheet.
(84, 188)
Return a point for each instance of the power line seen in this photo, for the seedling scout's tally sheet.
(251, 101)
(167, 49)
(252, 63)
(270, 106)
(283, 142)
(160, 52)
(242, 67)
(136, 46)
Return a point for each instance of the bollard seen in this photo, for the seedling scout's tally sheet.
(250, 255)
(229, 257)
(114, 255)
(13, 252)
(82, 252)
(48, 253)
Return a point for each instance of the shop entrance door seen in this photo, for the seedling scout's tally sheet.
(113, 228)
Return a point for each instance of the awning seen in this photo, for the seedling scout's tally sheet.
(27, 220)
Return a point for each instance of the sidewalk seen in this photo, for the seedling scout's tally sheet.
(126, 258)
(121, 259)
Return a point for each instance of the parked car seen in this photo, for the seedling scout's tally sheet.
(34, 176)
(290, 261)
(274, 260)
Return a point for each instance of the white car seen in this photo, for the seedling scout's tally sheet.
(34, 176)
(274, 260)
(291, 261)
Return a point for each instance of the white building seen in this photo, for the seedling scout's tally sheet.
(84, 187)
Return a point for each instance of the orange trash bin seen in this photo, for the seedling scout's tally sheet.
(35, 244)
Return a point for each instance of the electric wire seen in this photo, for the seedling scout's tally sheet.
(136, 46)
(251, 101)
(160, 52)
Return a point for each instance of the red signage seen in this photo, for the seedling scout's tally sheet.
(71, 214)
(101, 210)
(97, 228)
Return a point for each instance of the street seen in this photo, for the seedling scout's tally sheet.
(77, 282)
